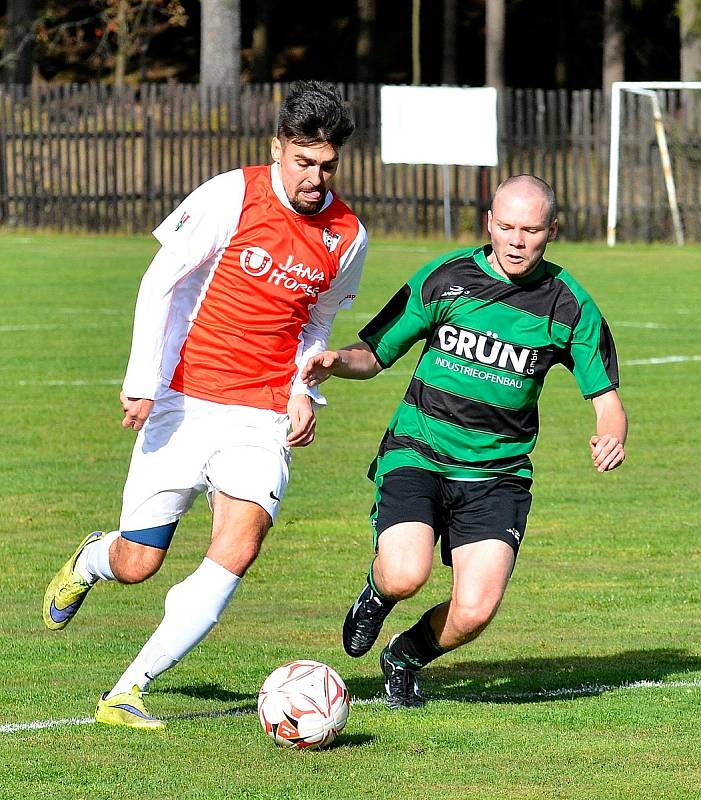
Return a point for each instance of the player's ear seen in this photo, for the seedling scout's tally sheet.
(489, 220)
(552, 230)
(276, 149)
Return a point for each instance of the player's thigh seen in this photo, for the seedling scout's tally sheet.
(481, 572)
(406, 516)
(238, 529)
(166, 470)
(251, 462)
(404, 557)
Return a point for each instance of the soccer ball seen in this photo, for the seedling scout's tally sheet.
(303, 704)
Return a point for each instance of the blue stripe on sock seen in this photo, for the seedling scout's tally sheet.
(160, 536)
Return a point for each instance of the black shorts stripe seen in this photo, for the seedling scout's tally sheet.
(472, 414)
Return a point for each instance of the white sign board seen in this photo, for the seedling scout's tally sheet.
(439, 125)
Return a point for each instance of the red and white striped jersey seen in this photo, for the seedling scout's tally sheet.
(242, 292)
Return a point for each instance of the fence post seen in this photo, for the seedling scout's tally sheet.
(148, 155)
(4, 200)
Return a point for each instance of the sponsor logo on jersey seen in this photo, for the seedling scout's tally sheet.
(185, 217)
(455, 291)
(331, 239)
(255, 261)
(296, 277)
(486, 349)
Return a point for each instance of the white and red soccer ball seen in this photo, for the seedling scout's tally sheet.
(303, 704)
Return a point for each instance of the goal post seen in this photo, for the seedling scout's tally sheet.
(647, 89)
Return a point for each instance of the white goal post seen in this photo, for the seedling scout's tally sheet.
(648, 89)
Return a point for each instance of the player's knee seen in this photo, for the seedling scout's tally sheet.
(401, 580)
(133, 563)
(471, 617)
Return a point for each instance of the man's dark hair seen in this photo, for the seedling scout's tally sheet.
(314, 112)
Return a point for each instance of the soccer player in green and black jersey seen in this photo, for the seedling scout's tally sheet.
(454, 463)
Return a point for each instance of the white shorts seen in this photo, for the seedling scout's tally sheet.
(190, 446)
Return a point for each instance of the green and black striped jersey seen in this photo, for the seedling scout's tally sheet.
(471, 409)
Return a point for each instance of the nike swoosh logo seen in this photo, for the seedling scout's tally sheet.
(132, 710)
(62, 614)
(274, 497)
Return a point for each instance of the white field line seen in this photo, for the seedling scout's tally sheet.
(643, 362)
(53, 326)
(106, 382)
(587, 690)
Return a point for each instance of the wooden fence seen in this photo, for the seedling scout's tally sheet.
(93, 158)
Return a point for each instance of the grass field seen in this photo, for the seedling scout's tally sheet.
(587, 684)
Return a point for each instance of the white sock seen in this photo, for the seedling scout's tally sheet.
(93, 563)
(192, 609)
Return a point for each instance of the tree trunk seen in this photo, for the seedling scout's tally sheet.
(614, 44)
(122, 55)
(449, 72)
(364, 48)
(261, 42)
(19, 42)
(220, 43)
(690, 40)
(494, 43)
(416, 42)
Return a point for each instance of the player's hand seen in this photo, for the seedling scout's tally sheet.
(302, 419)
(607, 452)
(136, 411)
(320, 367)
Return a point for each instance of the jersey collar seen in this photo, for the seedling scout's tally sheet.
(480, 257)
(279, 189)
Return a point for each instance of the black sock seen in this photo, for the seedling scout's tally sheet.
(418, 646)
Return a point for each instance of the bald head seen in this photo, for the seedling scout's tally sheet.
(521, 222)
(529, 185)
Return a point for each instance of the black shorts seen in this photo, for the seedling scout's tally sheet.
(460, 512)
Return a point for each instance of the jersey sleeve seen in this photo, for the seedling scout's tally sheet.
(592, 353)
(205, 220)
(405, 320)
(340, 295)
(344, 286)
(153, 302)
(200, 226)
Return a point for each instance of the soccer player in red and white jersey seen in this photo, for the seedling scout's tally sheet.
(252, 269)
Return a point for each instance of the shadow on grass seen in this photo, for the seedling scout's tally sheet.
(212, 691)
(536, 679)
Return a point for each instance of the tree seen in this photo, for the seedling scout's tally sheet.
(220, 43)
(614, 44)
(494, 43)
(416, 41)
(364, 46)
(690, 40)
(260, 44)
(449, 67)
(17, 58)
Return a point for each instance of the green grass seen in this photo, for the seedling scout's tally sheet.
(605, 594)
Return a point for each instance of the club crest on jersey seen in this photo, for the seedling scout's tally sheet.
(331, 239)
(185, 217)
(255, 261)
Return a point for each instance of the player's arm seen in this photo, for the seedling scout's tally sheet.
(153, 303)
(190, 235)
(607, 446)
(355, 361)
(340, 295)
